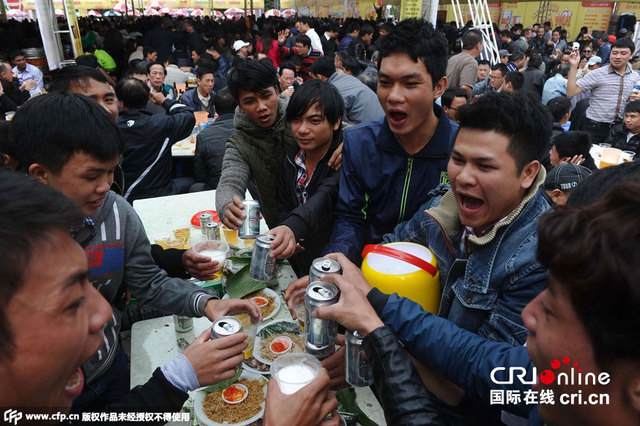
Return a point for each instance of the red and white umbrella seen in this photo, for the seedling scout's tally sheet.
(217, 14)
(155, 4)
(16, 13)
(197, 12)
(180, 12)
(166, 11)
(289, 12)
(120, 8)
(272, 12)
(234, 12)
(151, 12)
(111, 13)
(94, 13)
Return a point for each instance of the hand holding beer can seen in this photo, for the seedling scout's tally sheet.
(358, 370)
(320, 333)
(250, 227)
(323, 266)
(263, 266)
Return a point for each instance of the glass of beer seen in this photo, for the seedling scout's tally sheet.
(627, 156)
(250, 328)
(295, 371)
(231, 235)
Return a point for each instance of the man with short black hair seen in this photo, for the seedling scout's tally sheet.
(150, 54)
(360, 103)
(626, 135)
(302, 49)
(513, 82)
(604, 47)
(148, 139)
(25, 71)
(306, 29)
(359, 46)
(462, 69)
(610, 88)
(202, 98)
(452, 99)
(174, 73)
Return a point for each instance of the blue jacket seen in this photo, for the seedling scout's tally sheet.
(461, 357)
(191, 100)
(381, 185)
(485, 289)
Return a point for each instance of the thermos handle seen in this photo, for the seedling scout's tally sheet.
(400, 255)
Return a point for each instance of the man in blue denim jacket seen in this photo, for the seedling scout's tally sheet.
(482, 230)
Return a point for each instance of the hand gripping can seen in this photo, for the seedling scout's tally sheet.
(323, 266)
(225, 326)
(205, 218)
(357, 368)
(263, 266)
(320, 333)
(250, 227)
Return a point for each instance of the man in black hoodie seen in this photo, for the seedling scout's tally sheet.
(308, 187)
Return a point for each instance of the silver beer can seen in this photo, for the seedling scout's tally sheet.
(182, 324)
(320, 333)
(320, 353)
(263, 266)
(205, 218)
(250, 227)
(212, 231)
(357, 368)
(225, 326)
(323, 266)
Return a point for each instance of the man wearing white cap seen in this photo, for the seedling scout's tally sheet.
(240, 47)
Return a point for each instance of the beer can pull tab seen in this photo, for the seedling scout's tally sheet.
(326, 265)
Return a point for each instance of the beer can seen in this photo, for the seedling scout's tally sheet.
(182, 324)
(225, 326)
(357, 368)
(212, 231)
(263, 266)
(320, 353)
(320, 333)
(250, 227)
(205, 218)
(323, 266)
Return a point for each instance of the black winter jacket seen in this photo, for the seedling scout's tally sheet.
(210, 147)
(617, 138)
(147, 148)
(312, 221)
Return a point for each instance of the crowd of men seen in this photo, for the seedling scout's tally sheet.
(348, 136)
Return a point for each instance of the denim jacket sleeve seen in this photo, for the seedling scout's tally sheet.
(462, 357)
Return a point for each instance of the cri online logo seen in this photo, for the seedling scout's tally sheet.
(549, 376)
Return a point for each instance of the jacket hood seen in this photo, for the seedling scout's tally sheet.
(446, 213)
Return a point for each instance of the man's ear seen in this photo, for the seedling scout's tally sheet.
(338, 124)
(441, 86)
(529, 173)
(40, 172)
(556, 195)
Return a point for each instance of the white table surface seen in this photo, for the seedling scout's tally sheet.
(178, 150)
(154, 341)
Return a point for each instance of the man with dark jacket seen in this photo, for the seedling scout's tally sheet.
(534, 78)
(358, 47)
(390, 164)
(18, 94)
(211, 144)
(148, 139)
(626, 135)
(302, 49)
(202, 98)
(308, 187)
(160, 38)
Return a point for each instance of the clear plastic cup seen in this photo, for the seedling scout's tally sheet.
(295, 371)
(182, 232)
(250, 328)
(627, 156)
(297, 299)
(215, 250)
(9, 115)
(162, 238)
(176, 242)
(231, 235)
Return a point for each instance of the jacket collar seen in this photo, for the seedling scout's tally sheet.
(439, 144)
(242, 122)
(446, 213)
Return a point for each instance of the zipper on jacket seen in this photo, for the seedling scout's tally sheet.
(405, 189)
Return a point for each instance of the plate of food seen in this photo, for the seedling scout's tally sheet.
(267, 300)
(254, 366)
(195, 220)
(276, 339)
(240, 403)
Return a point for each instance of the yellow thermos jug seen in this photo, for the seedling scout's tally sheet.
(409, 269)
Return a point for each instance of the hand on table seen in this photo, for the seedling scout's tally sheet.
(216, 308)
(309, 406)
(335, 366)
(215, 360)
(284, 244)
(234, 213)
(198, 266)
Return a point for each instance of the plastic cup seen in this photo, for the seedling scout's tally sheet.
(201, 116)
(9, 115)
(627, 156)
(295, 371)
(250, 328)
(230, 235)
(215, 250)
(162, 239)
(610, 157)
(176, 242)
(298, 306)
(249, 242)
(182, 232)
